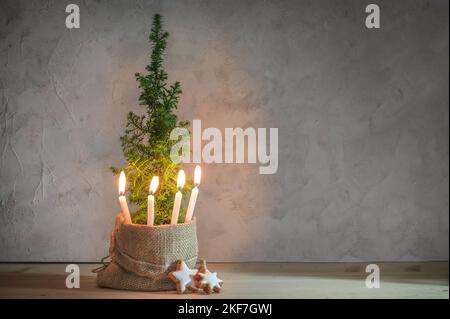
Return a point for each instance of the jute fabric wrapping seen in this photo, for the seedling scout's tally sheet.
(141, 255)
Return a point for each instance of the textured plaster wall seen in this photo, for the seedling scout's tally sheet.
(363, 118)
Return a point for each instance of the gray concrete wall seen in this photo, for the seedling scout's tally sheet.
(363, 118)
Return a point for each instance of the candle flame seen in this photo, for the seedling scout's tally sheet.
(154, 184)
(197, 175)
(181, 179)
(122, 182)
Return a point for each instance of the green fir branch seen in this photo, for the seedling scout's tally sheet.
(146, 142)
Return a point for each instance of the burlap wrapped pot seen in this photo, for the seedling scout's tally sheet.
(141, 255)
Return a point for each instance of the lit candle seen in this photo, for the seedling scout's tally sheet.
(151, 201)
(122, 198)
(177, 203)
(194, 194)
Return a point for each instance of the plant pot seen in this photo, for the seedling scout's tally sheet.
(142, 256)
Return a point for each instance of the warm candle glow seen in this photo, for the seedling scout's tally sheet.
(151, 201)
(197, 175)
(122, 182)
(194, 194)
(123, 199)
(154, 184)
(178, 196)
(181, 179)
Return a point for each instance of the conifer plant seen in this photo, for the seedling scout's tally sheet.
(146, 142)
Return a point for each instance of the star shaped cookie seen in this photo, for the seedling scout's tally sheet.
(182, 277)
(210, 282)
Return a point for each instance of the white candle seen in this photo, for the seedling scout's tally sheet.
(122, 198)
(151, 201)
(194, 194)
(177, 204)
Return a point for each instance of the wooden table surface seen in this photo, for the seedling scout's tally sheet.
(245, 280)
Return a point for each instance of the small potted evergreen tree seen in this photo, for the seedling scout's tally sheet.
(141, 255)
(146, 143)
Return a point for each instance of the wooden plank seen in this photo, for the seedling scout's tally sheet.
(246, 280)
